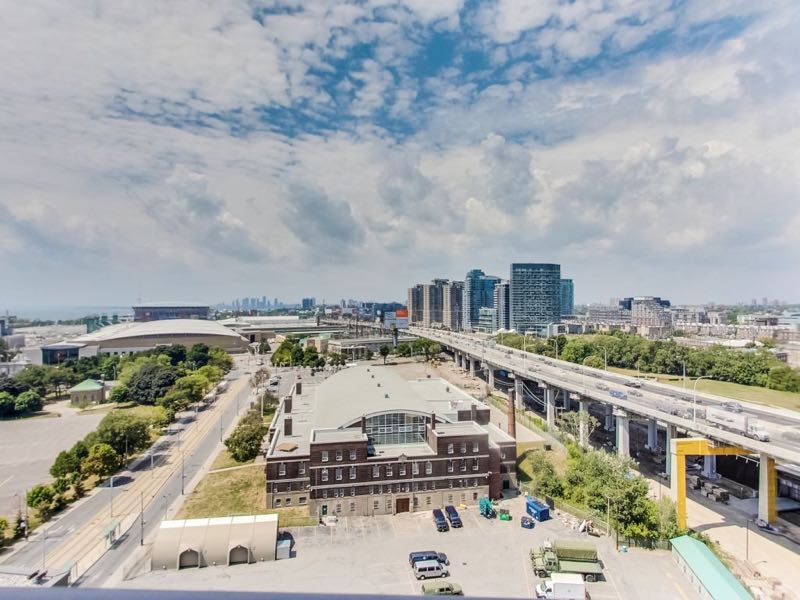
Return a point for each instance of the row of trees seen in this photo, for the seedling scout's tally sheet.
(757, 367)
(427, 348)
(244, 443)
(26, 403)
(605, 484)
(101, 452)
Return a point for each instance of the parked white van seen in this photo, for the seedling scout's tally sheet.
(427, 569)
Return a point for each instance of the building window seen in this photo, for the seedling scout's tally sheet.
(449, 466)
(277, 502)
(416, 502)
(371, 490)
(450, 484)
(388, 504)
(376, 471)
(449, 498)
(389, 470)
(301, 469)
(288, 502)
(380, 489)
(474, 495)
(449, 448)
(339, 508)
(338, 455)
(463, 465)
(353, 490)
(425, 486)
(353, 455)
(353, 472)
(463, 447)
(324, 494)
(324, 456)
(324, 475)
(428, 467)
(475, 446)
(433, 485)
(397, 489)
(415, 468)
(474, 464)
(376, 505)
(302, 500)
(502, 455)
(281, 469)
(338, 474)
(427, 500)
(416, 486)
(402, 469)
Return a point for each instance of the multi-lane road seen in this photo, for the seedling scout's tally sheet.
(651, 399)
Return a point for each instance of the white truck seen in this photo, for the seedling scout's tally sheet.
(562, 586)
(738, 423)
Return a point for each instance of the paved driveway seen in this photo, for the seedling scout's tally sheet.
(29, 446)
(370, 555)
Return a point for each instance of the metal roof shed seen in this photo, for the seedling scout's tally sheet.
(706, 573)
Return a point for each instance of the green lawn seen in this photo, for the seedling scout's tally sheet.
(224, 460)
(238, 492)
(736, 391)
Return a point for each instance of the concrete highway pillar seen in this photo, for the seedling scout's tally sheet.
(609, 424)
(623, 433)
(490, 377)
(652, 434)
(472, 362)
(455, 357)
(583, 424)
(710, 467)
(550, 406)
(672, 433)
(567, 403)
(767, 489)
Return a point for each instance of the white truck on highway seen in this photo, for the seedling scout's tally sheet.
(738, 423)
(562, 586)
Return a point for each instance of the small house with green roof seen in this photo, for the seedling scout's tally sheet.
(89, 391)
(705, 572)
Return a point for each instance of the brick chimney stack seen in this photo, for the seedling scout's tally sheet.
(512, 420)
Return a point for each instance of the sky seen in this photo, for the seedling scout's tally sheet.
(213, 149)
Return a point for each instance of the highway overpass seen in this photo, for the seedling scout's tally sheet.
(661, 405)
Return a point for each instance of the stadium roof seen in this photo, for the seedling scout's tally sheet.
(165, 327)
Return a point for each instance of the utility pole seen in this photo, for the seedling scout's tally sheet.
(182, 475)
(44, 548)
(111, 498)
(141, 518)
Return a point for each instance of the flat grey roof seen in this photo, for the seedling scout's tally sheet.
(337, 435)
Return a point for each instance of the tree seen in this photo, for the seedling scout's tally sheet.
(66, 463)
(28, 402)
(11, 385)
(3, 522)
(384, 351)
(264, 347)
(40, 498)
(198, 355)
(7, 405)
(571, 422)
(545, 478)
(123, 432)
(151, 381)
(403, 350)
(217, 357)
(61, 378)
(244, 443)
(34, 377)
(101, 461)
(175, 352)
(368, 354)
(595, 361)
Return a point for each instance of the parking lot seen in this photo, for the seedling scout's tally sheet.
(487, 557)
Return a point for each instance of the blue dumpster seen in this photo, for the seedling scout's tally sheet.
(538, 510)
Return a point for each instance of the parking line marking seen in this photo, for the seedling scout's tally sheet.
(526, 567)
(7, 479)
(609, 577)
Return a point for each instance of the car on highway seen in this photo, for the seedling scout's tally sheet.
(636, 393)
(634, 384)
(618, 394)
(732, 407)
(601, 386)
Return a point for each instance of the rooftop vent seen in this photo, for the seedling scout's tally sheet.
(379, 384)
(386, 395)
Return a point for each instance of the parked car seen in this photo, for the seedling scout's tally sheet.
(414, 557)
(441, 588)
(430, 569)
(526, 522)
(439, 520)
(442, 558)
(452, 516)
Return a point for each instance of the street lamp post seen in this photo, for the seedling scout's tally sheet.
(683, 363)
(605, 358)
(141, 518)
(694, 396)
(111, 498)
(183, 454)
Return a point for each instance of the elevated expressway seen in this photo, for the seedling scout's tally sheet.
(661, 405)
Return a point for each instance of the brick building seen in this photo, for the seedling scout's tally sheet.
(366, 441)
